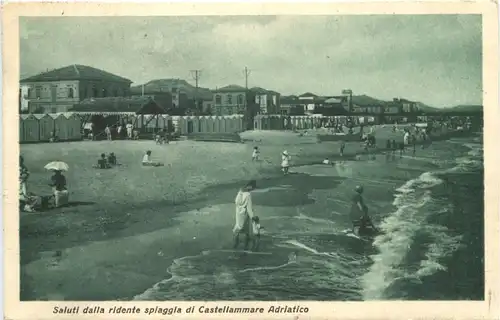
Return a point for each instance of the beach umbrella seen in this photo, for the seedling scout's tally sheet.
(57, 165)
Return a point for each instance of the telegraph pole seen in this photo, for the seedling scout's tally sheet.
(247, 73)
(196, 77)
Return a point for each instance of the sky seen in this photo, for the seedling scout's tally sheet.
(434, 59)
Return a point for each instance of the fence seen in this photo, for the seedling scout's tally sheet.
(41, 127)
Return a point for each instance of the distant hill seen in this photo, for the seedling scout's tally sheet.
(467, 108)
(424, 107)
(363, 100)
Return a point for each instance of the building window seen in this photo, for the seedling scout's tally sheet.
(104, 92)
(218, 99)
(115, 93)
(71, 93)
(29, 93)
(38, 92)
(94, 92)
(240, 99)
(229, 99)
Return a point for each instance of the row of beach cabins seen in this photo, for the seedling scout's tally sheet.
(70, 126)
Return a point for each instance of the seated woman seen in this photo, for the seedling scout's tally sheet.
(112, 159)
(146, 160)
(102, 163)
(58, 184)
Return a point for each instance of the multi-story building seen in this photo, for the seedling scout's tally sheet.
(292, 106)
(268, 101)
(310, 101)
(58, 90)
(233, 99)
(184, 97)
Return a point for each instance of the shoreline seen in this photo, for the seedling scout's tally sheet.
(127, 250)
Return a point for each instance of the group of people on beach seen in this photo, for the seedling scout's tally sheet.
(31, 202)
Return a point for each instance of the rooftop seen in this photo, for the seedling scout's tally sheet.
(231, 88)
(139, 105)
(166, 85)
(75, 72)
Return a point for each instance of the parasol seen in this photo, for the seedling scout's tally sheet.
(57, 166)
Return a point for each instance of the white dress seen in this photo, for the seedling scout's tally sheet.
(244, 211)
(285, 161)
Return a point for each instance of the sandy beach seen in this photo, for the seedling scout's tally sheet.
(133, 223)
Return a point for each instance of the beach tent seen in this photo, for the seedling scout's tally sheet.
(31, 128)
(46, 126)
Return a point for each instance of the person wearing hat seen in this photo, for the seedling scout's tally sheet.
(359, 212)
(285, 161)
(244, 214)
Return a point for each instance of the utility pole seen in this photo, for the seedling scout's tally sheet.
(247, 73)
(247, 112)
(196, 77)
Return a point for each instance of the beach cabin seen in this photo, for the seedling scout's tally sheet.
(215, 124)
(61, 126)
(46, 126)
(31, 128)
(73, 126)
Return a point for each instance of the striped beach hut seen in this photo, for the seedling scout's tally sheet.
(31, 128)
(46, 126)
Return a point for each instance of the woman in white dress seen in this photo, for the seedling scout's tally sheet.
(285, 162)
(244, 214)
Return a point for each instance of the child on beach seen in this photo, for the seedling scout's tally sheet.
(342, 147)
(146, 161)
(285, 162)
(102, 163)
(112, 159)
(256, 228)
(401, 149)
(328, 162)
(255, 154)
(394, 146)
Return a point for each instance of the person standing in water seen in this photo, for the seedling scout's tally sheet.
(244, 214)
(359, 212)
(285, 162)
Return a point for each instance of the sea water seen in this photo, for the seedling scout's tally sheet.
(429, 208)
